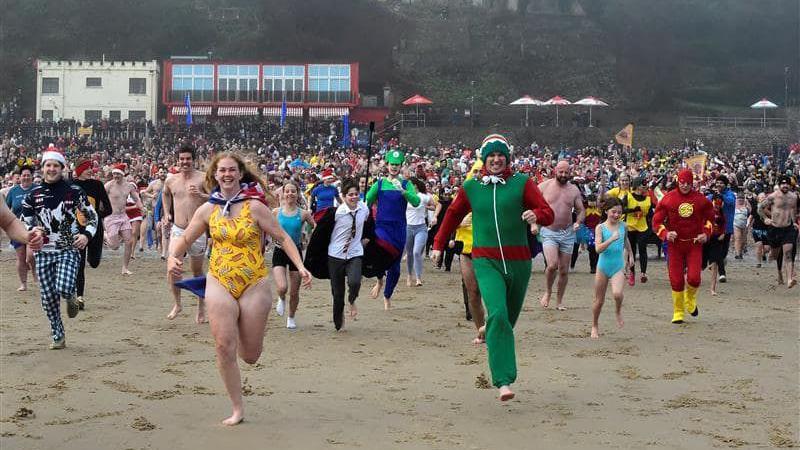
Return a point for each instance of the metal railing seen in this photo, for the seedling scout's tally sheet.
(732, 122)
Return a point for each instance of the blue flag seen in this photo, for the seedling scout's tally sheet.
(346, 131)
(283, 113)
(188, 102)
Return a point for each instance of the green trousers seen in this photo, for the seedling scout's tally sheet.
(503, 294)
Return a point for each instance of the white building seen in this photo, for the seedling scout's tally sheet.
(93, 90)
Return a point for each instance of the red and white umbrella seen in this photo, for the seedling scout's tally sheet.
(558, 101)
(590, 101)
(417, 100)
(763, 104)
(527, 101)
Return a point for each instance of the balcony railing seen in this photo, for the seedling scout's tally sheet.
(323, 97)
(732, 122)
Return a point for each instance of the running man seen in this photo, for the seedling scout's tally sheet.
(117, 225)
(63, 213)
(780, 211)
(504, 205)
(183, 193)
(558, 238)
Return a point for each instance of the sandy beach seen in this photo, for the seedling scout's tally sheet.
(409, 378)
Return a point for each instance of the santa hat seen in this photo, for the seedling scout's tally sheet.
(53, 153)
(119, 168)
(328, 174)
(494, 143)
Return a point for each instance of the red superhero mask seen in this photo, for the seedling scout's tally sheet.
(685, 176)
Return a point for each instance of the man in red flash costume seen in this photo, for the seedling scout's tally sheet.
(683, 218)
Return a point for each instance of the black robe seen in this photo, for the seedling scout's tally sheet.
(374, 263)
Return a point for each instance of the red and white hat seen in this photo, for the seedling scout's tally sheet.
(53, 153)
(328, 174)
(119, 168)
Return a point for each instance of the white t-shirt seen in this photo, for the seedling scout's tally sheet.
(345, 220)
(416, 215)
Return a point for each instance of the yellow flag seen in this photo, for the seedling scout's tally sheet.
(625, 136)
(697, 164)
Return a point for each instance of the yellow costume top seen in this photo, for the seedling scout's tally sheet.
(637, 220)
(237, 261)
(464, 234)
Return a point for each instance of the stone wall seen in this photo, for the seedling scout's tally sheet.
(653, 137)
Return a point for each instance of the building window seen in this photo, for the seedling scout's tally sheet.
(92, 115)
(94, 82)
(284, 82)
(237, 83)
(137, 86)
(136, 116)
(329, 83)
(196, 79)
(49, 85)
(115, 116)
(47, 114)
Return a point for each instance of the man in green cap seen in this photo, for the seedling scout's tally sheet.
(393, 194)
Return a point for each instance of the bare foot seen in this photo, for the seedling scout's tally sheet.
(22, 287)
(620, 322)
(201, 313)
(545, 300)
(175, 311)
(791, 283)
(408, 281)
(481, 338)
(713, 293)
(235, 419)
(595, 333)
(387, 304)
(125, 271)
(376, 290)
(506, 393)
(419, 282)
(353, 312)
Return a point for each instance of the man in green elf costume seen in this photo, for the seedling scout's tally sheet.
(504, 204)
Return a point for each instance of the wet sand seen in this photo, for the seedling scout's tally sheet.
(409, 378)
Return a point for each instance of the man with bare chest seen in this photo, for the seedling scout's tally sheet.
(183, 193)
(558, 238)
(780, 211)
(117, 225)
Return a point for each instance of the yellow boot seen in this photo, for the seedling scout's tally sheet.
(691, 300)
(677, 306)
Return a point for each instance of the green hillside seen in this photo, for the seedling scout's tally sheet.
(637, 54)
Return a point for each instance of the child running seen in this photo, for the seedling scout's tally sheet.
(291, 219)
(615, 256)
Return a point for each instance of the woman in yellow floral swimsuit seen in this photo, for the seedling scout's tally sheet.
(237, 294)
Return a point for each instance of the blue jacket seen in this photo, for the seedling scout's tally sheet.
(728, 208)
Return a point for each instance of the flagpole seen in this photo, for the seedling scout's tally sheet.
(369, 147)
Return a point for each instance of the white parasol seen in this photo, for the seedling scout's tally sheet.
(527, 101)
(558, 101)
(763, 104)
(590, 101)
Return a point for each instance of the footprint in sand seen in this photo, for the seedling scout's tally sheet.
(142, 424)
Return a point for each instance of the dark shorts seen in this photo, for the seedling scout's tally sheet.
(281, 259)
(759, 235)
(16, 244)
(779, 236)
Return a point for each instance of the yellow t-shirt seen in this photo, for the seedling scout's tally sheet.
(637, 221)
(618, 193)
(464, 233)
